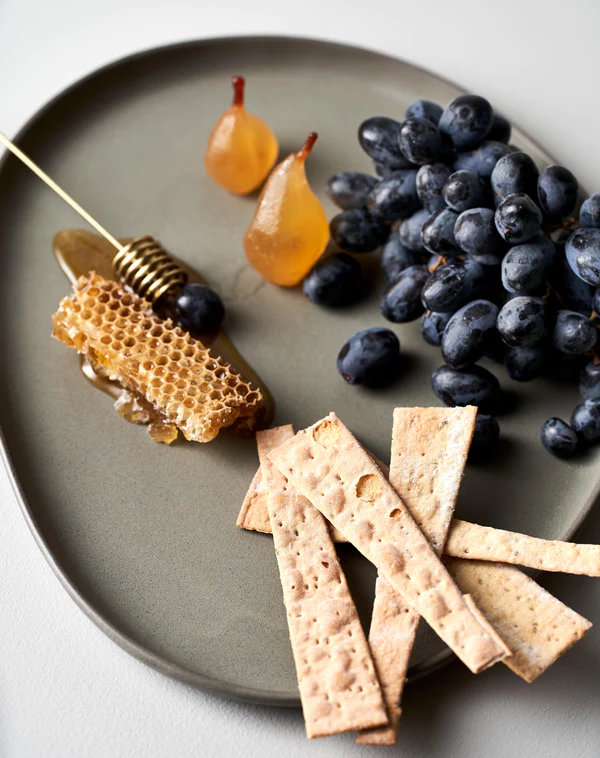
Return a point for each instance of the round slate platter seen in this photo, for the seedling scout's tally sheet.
(143, 536)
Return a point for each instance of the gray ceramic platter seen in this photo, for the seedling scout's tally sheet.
(143, 536)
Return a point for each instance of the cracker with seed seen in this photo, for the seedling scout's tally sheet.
(254, 513)
(332, 470)
(336, 675)
(537, 627)
(485, 543)
(429, 454)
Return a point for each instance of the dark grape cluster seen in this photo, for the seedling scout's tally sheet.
(482, 246)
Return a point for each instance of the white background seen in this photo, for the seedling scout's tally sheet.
(65, 690)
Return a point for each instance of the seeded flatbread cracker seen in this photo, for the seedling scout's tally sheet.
(537, 627)
(336, 675)
(254, 513)
(332, 470)
(488, 544)
(428, 458)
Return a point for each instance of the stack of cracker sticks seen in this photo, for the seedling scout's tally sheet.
(319, 486)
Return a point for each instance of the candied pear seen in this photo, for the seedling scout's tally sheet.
(241, 149)
(290, 230)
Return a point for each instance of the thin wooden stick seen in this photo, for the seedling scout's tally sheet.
(59, 191)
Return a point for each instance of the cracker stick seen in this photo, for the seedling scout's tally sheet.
(537, 626)
(336, 676)
(488, 544)
(254, 513)
(332, 470)
(429, 454)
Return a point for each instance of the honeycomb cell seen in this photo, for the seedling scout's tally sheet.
(130, 347)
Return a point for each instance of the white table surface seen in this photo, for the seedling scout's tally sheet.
(65, 689)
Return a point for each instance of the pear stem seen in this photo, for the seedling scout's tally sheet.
(307, 146)
(239, 84)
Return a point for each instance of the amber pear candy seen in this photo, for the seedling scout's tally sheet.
(290, 230)
(241, 149)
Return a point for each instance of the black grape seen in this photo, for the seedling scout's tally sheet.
(501, 129)
(475, 233)
(482, 159)
(378, 137)
(574, 334)
(433, 325)
(395, 197)
(466, 120)
(472, 386)
(438, 233)
(557, 192)
(526, 363)
(518, 219)
(589, 213)
(525, 267)
(401, 301)
(430, 183)
(523, 321)
(395, 258)
(583, 254)
(420, 141)
(425, 109)
(350, 189)
(485, 437)
(469, 333)
(357, 231)
(514, 173)
(589, 381)
(464, 190)
(411, 228)
(586, 420)
(451, 286)
(558, 437)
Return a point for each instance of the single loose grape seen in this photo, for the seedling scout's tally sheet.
(451, 286)
(475, 233)
(370, 357)
(558, 438)
(334, 281)
(525, 267)
(199, 309)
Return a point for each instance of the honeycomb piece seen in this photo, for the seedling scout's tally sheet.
(197, 392)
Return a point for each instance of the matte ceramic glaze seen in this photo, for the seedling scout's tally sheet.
(142, 535)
